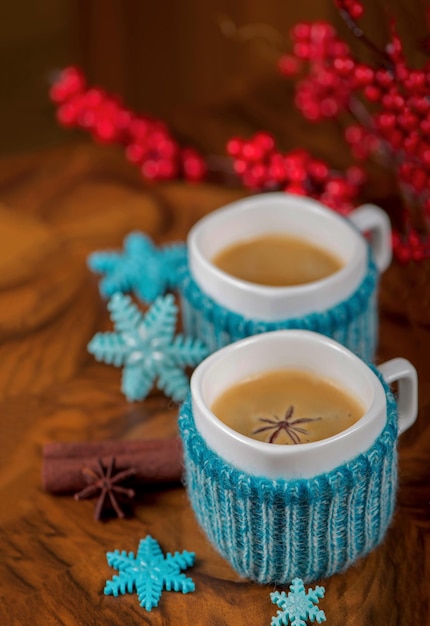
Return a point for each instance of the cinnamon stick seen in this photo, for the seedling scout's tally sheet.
(157, 460)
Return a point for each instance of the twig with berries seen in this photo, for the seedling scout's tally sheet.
(394, 128)
(148, 142)
(262, 167)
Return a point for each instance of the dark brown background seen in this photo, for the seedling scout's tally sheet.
(60, 204)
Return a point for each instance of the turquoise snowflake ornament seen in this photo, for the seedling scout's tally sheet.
(141, 268)
(149, 572)
(146, 347)
(298, 605)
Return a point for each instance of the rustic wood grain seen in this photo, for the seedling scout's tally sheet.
(57, 207)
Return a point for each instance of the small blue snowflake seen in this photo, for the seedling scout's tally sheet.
(141, 268)
(147, 348)
(149, 572)
(298, 605)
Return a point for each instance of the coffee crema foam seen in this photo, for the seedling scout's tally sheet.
(287, 407)
(277, 261)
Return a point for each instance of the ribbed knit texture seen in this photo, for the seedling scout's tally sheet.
(274, 530)
(353, 322)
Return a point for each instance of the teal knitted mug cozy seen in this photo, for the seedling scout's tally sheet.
(352, 322)
(274, 530)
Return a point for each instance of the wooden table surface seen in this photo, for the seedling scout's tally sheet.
(57, 207)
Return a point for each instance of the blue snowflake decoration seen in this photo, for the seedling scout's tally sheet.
(141, 268)
(146, 347)
(149, 572)
(298, 605)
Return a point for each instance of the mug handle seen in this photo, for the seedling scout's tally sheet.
(370, 218)
(405, 374)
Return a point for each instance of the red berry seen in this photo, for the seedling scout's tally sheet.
(251, 152)
(149, 169)
(263, 141)
(402, 72)
(104, 130)
(301, 31)
(415, 80)
(419, 180)
(70, 82)
(356, 10)
(344, 66)
(337, 187)
(94, 98)
(407, 120)
(240, 166)
(384, 78)
(193, 165)
(67, 114)
(289, 65)
(301, 50)
(399, 249)
(167, 148)
(249, 181)
(259, 174)
(363, 75)
(276, 169)
(166, 169)
(87, 118)
(410, 144)
(318, 170)
(354, 134)
(338, 49)
(295, 188)
(234, 146)
(386, 120)
(329, 107)
(419, 104)
(395, 138)
(372, 93)
(134, 152)
(139, 128)
(321, 31)
(424, 153)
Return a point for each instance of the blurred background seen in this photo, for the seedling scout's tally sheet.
(180, 61)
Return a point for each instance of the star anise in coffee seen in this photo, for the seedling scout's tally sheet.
(291, 428)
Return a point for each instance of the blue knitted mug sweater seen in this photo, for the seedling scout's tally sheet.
(274, 530)
(352, 322)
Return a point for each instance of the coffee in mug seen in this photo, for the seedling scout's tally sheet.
(277, 261)
(287, 406)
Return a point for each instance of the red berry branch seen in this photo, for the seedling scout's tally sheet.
(147, 142)
(263, 168)
(389, 105)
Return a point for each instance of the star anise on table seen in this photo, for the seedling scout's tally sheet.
(292, 428)
(104, 481)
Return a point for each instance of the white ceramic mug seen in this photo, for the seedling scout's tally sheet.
(283, 213)
(302, 350)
